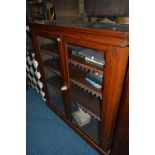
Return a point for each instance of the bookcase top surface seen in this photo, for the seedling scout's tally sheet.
(103, 33)
(85, 25)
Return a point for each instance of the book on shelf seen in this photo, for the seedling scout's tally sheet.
(90, 55)
(94, 84)
(82, 118)
(94, 79)
(90, 60)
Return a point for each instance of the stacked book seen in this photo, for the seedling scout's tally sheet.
(90, 55)
(94, 79)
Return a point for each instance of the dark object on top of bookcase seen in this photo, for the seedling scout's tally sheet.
(67, 9)
(103, 8)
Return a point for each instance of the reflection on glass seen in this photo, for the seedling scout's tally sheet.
(51, 66)
(86, 85)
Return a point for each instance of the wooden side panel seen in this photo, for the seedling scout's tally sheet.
(115, 68)
(121, 138)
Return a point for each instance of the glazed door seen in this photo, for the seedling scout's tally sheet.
(96, 73)
(85, 66)
(48, 47)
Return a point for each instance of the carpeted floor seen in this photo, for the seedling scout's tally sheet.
(47, 134)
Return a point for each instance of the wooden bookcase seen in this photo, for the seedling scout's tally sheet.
(63, 74)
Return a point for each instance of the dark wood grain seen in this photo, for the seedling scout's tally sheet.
(115, 68)
(120, 145)
(115, 45)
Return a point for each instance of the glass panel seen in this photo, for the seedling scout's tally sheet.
(86, 85)
(51, 66)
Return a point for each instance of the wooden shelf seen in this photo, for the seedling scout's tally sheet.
(85, 65)
(53, 65)
(78, 77)
(50, 49)
(86, 101)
